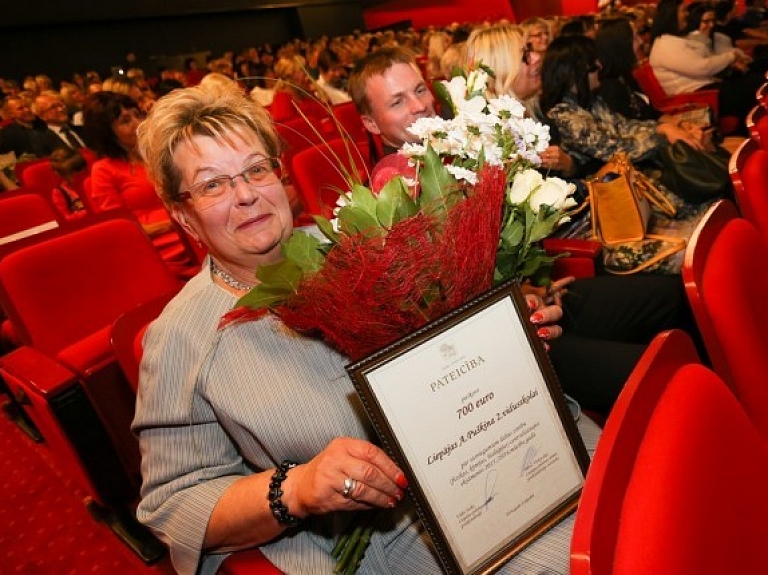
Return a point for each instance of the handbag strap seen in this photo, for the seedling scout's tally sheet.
(653, 195)
(677, 245)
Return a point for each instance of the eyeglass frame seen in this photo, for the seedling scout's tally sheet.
(274, 165)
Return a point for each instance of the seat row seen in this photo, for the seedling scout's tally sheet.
(675, 485)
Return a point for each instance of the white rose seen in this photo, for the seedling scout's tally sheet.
(555, 193)
(523, 185)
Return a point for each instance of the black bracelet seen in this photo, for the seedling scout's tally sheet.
(279, 510)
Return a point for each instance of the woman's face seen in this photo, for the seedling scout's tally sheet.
(245, 227)
(538, 37)
(707, 23)
(124, 127)
(527, 83)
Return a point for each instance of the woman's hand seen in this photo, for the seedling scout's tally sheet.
(545, 317)
(554, 158)
(318, 486)
(674, 133)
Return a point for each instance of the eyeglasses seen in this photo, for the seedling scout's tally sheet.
(213, 190)
(708, 21)
(527, 54)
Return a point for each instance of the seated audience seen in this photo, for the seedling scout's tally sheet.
(332, 77)
(21, 135)
(617, 44)
(59, 131)
(118, 179)
(608, 320)
(682, 65)
(212, 424)
(586, 127)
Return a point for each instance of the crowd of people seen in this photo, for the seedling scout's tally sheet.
(224, 416)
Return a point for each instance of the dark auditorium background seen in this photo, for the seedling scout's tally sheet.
(59, 37)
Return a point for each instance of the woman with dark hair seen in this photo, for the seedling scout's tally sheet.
(683, 65)
(118, 179)
(587, 128)
(617, 43)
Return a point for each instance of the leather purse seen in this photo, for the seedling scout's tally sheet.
(696, 176)
(621, 200)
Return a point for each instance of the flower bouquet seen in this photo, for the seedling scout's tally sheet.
(442, 222)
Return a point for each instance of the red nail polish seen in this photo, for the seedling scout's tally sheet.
(392, 502)
(531, 304)
(401, 481)
(542, 332)
(538, 317)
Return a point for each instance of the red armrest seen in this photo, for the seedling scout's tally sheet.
(573, 247)
(41, 374)
(248, 562)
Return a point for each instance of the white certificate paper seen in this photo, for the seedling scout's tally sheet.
(470, 410)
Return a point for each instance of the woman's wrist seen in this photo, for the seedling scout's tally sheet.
(277, 505)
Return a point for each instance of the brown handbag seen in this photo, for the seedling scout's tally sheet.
(621, 200)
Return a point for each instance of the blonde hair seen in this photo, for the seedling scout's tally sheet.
(218, 112)
(500, 48)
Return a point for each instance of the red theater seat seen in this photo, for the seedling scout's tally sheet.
(594, 541)
(62, 295)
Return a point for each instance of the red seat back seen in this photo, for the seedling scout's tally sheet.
(695, 502)
(24, 211)
(40, 175)
(749, 174)
(128, 333)
(321, 173)
(733, 293)
(694, 261)
(597, 520)
(62, 290)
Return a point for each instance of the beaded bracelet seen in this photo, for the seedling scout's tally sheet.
(279, 510)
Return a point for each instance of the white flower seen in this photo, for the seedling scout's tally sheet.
(523, 185)
(457, 88)
(555, 193)
(470, 107)
(463, 174)
(507, 104)
(423, 128)
(477, 80)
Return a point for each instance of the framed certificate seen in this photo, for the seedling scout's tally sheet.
(471, 410)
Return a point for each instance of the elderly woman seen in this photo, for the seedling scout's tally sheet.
(219, 410)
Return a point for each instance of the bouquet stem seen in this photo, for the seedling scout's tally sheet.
(350, 548)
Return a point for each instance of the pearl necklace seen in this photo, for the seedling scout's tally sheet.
(228, 279)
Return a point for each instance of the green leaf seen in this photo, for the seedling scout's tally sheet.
(513, 232)
(355, 220)
(278, 282)
(302, 248)
(443, 96)
(438, 186)
(326, 229)
(363, 198)
(394, 204)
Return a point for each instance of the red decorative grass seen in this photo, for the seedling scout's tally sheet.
(375, 290)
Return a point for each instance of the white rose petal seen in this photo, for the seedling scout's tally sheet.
(523, 185)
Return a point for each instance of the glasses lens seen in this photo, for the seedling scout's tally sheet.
(213, 190)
